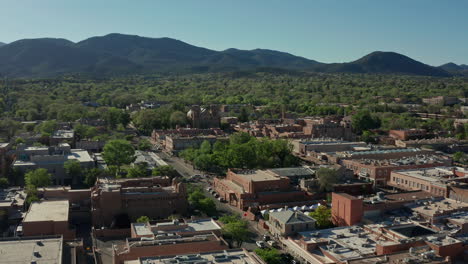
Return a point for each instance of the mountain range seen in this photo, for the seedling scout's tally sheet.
(117, 54)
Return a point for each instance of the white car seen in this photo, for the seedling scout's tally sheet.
(261, 244)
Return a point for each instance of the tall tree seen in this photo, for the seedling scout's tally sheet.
(38, 178)
(117, 153)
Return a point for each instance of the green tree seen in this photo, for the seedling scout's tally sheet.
(460, 157)
(38, 178)
(208, 206)
(117, 153)
(269, 255)
(364, 121)
(178, 118)
(3, 182)
(166, 170)
(237, 231)
(327, 178)
(73, 169)
(143, 219)
(144, 145)
(91, 175)
(323, 217)
(47, 127)
(138, 171)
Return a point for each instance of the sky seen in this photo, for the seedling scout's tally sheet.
(434, 32)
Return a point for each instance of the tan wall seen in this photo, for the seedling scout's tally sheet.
(174, 249)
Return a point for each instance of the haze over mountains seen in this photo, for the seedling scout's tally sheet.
(116, 54)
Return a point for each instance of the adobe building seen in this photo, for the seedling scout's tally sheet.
(407, 134)
(436, 180)
(48, 218)
(379, 170)
(155, 197)
(258, 188)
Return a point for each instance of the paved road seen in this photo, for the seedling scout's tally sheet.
(187, 170)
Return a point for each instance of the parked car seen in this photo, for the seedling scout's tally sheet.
(261, 244)
(272, 243)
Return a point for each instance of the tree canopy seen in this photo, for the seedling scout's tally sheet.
(118, 152)
(38, 178)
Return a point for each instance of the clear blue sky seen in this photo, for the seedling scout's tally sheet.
(434, 32)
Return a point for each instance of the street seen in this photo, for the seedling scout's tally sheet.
(186, 170)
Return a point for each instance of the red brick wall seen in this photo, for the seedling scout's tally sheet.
(48, 228)
(389, 249)
(453, 250)
(174, 249)
(109, 233)
(347, 210)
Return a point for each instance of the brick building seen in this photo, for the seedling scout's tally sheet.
(154, 197)
(375, 243)
(252, 188)
(350, 210)
(407, 134)
(436, 180)
(379, 170)
(48, 218)
(166, 245)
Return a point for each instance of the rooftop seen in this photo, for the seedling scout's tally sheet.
(31, 250)
(63, 134)
(434, 174)
(234, 256)
(440, 207)
(47, 211)
(290, 217)
(294, 171)
(419, 159)
(258, 175)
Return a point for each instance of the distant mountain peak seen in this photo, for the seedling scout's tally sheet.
(117, 53)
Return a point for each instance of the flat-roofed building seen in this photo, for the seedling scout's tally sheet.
(258, 188)
(379, 170)
(375, 243)
(189, 226)
(155, 197)
(167, 244)
(231, 256)
(48, 218)
(39, 250)
(53, 159)
(436, 180)
(62, 136)
(406, 134)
